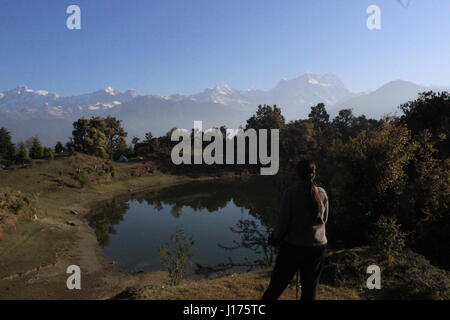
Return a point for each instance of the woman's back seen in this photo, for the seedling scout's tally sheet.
(298, 223)
(301, 235)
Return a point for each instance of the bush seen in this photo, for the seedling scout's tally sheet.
(83, 177)
(388, 237)
(36, 150)
(48, 154)
(176, 259)
(14, 201)
(23, 156)
(411, 276)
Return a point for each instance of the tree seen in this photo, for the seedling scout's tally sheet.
(177, 258)
(59, 147)
(148, 137)
(135, 140)
(388, 237)
(7, 148)
(431, 111)
(36, 150)
(370, 180)
(344, 122)
(48, 154)
(23, 155)
(266, 117)
(319, 116)
(101, 137)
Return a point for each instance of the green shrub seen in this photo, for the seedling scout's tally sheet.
(83, 177)
(176, 258)
(48, 154)
(388, 237)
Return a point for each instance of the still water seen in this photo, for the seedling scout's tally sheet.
(229, 222)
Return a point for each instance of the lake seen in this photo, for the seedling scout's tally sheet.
(229, 222)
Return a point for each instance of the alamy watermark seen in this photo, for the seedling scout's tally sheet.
(221, 150)
(73, 22)
(74, 280)
(374, 281)
(374, 20)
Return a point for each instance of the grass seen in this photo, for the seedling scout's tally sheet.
(32, 246)
(246, 286)
(344, 277)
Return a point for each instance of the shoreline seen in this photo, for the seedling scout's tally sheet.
(74, 244)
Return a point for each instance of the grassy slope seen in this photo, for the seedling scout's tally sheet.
(246, 286)
(409, 276)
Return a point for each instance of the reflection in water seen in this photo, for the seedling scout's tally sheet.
(229, 220)
(103, 222)
(251, 237)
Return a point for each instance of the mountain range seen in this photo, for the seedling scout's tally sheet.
(26, 112)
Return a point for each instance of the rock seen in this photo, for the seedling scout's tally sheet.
(35, 217)
(71, 223)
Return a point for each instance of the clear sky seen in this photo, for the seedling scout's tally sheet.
(183, 46)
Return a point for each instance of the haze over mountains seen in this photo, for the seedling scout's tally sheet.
(26, 112)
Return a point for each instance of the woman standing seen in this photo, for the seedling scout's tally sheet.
(301, 234)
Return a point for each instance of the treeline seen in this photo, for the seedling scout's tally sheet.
(23, 152)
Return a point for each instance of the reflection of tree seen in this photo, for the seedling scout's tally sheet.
(252, 237)
(109, 215)
(176, 210)
(256, 195)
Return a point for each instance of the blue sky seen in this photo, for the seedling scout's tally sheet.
(184, 46)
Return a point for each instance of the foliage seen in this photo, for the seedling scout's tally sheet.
(7, 148)
(266, 117)
(36, 150)
(369, 181)
(319, 116)
(83, 177)
(23, 155)
(388, 238)
(59, 147)
(410, 276)
(14, 201)
(48, 154)
(431, 111)
(101, 137)
(177, 258)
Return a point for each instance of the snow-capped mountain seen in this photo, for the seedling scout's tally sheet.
(27, 112)
(25, 98)
(294, 96)
(41, 103)
(221, 93)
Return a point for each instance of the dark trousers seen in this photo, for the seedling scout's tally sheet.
(308, 260)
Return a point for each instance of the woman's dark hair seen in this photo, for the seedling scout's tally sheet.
(306, 171)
